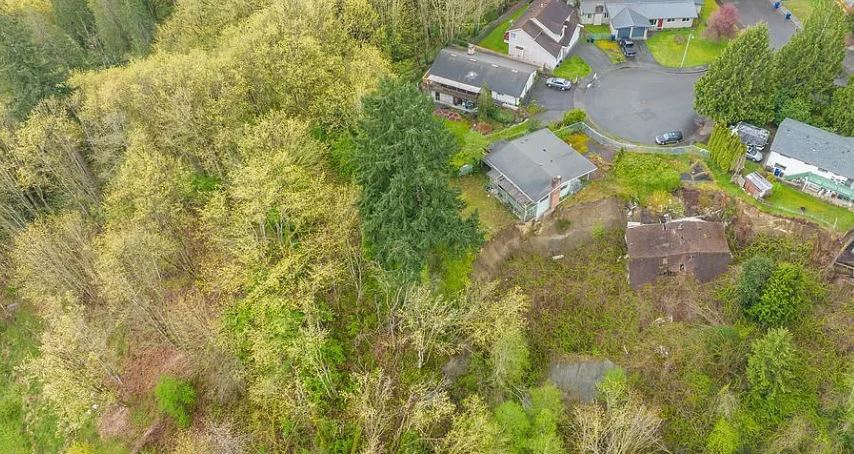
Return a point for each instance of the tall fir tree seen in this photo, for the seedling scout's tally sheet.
(725, 147)
(408, 209)
(841, 111)
(807, 65)
(737, 86)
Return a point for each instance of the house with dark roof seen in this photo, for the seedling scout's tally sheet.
(458, 75)
(544, 34)
(819, 161)
(689, 246)
(534, 173)
(635, 18)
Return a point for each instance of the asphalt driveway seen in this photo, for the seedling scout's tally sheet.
(639, 103)
(554, 101)
(755, 11)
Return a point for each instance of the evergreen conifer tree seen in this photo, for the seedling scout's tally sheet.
(408, 209)
(737, 86)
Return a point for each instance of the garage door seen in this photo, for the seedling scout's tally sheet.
(637, 33)
(623, 33)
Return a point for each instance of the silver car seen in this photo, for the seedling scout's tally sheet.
(557, 82)
(753, 154)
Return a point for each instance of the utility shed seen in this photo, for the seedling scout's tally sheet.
(757, 186)
(685, 246)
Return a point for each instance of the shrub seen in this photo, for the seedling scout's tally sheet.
(614, 387)
(176, 398)
(643, 174)
(754, 275)
(724, 438)
(573, 116)
(772, 369)
(786, 296)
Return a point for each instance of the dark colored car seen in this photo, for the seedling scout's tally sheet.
(669, 137)
(557, 82)
(628, 47)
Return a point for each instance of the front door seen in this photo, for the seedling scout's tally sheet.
(597, 19)
(660, 24)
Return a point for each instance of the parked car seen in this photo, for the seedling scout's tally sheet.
(669, 137)
(628, 47)
(754, 154)
(557, 82)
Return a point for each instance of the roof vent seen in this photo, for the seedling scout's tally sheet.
(494, 65)
(471, 75)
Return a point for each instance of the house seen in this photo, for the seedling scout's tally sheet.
(635, 18)
(533, 173)
(756, 185)
(685, 246)
(819, 161)
(545, 34)
(458, 75)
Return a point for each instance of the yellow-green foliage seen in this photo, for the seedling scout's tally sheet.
(725, 147)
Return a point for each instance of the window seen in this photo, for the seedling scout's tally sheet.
(670, 19)
(606, 15)
(437, 95)
(600, 9)
(590, 16)
(652, 22)
(681, 267)
(686, 19)
(513, 34)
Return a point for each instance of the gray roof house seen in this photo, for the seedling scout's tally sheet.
(634, 18)
(458, 75)
(533, 173)
(820, 161)
(544, 34)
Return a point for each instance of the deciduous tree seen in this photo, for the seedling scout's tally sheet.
(474, 431)
(723, 23)
(774, 365)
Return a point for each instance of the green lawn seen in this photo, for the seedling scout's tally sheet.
(668, 47)
(493, 215)
(612, 49)
(458, 129)
(802, 9)
(597, 29)
(495, 39)
(572, 68)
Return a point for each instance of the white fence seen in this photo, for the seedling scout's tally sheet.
(628, 146)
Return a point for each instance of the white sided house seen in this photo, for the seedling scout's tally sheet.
(533, 173)
(458, 75)
(545, 34)
(635, 18)
(819, 161)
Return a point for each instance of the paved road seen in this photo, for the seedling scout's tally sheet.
(639, 103)
(755, 11)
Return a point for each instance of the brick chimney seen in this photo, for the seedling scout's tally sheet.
(554, 196)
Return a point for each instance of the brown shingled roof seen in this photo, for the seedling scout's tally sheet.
(676, 237)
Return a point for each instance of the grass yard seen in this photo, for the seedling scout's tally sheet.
(802, 9)
(668, 47)
(597, 29)
(494, 216)
(572, 68)
(786, 201)
(495, 39)
(458, 129)
(612, 49)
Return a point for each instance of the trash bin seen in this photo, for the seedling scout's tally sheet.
(776, 5)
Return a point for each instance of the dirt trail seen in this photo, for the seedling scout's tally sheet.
(566, 229)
